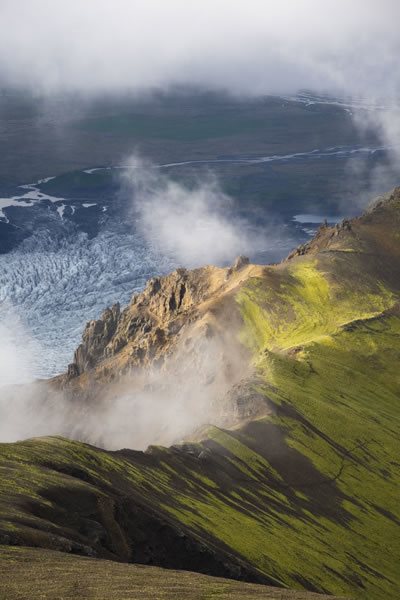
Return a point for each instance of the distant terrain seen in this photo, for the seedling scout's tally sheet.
(73, 244)
(42, 137)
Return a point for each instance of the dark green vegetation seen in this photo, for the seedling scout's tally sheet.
(46, 575)
(199, 118)
(306, 496)
(42, 137)
(61, 136)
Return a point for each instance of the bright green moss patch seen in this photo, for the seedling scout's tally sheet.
(304, 305)
(308, 495)
(337, 399)
(325, 333)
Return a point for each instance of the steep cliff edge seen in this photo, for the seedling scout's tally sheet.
(303, 494)
(156, 320)
(151, 325)
(179, 338)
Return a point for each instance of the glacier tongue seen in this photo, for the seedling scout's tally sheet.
(53, 287)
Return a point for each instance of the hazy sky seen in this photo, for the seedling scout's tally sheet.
(245, 46)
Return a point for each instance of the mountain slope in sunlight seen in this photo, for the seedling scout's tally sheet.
(302, 493)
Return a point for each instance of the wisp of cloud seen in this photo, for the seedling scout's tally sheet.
(195, 224)
(246, 46)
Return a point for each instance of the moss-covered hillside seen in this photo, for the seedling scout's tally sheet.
(306, 496)
(47, 575)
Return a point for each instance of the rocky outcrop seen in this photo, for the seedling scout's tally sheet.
(145, 325)
(244, 401)
(334, 238)
(176, 347)
(96, 336)
(322, 239)
(143, 332)
(239, 263)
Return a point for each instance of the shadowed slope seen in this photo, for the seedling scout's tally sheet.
(305, 495)
(46, 575)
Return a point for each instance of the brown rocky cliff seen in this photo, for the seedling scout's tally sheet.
(144, 332)
(96, 337)
(175, 344)
(148, 329)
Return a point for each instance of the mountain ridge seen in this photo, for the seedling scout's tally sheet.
(302, 492)
(170, 296)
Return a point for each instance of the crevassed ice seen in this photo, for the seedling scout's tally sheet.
(55, 287)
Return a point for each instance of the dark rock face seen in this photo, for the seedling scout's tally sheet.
(244, 401)
(147, 326)
(95, 338)
(73, 370)
(239, 263)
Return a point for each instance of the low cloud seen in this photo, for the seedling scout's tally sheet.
(159, 405)
(18, 414)
(163, 405)
(249, 47)
(195, 223)
(16, 348)
(370, 175)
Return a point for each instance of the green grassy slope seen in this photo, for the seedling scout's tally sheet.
(47, 575)
(305, 497)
